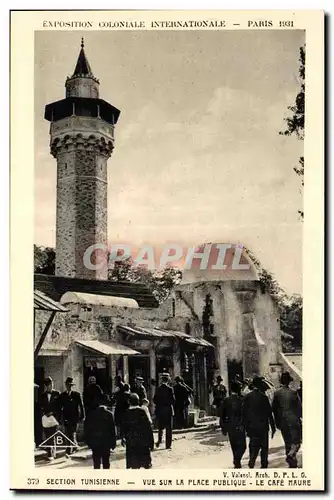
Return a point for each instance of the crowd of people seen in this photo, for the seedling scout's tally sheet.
(248, 412)
(130, 420)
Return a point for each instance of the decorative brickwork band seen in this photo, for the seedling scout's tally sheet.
(78, 142)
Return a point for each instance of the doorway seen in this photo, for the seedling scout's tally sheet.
(39, 377)
(139, 366)
(98, 367)
(234, 370)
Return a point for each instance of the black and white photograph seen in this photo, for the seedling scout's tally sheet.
(168, 250)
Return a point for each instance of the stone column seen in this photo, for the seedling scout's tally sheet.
(205, 384)
(126, 369)
(112, 370)
(251, 356)
(153, 374)
(176, 359)
(222, 359)
(75, 367)
(220, 333)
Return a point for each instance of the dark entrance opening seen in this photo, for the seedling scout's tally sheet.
(98, 367)
(234, 369)
(139, 366)
(39, 377)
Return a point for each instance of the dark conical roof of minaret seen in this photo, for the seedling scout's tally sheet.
(82, 96)
(82, 67)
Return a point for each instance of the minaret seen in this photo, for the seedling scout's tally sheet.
(81, 140)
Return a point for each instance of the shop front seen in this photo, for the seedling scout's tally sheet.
(105, 361)
(168, 351)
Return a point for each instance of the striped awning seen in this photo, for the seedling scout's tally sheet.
(161, 333)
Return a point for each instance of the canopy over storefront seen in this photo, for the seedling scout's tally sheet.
(106, 348)
(45, 303)
(158, 333)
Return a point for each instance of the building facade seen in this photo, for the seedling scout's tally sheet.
(216, 323)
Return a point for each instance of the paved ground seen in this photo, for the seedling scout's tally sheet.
(206, 449)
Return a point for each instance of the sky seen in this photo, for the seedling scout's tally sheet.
(198, 156)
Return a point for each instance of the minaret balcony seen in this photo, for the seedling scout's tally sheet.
(84, 125)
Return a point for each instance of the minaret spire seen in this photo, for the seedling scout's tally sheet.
(82, 67)
(82, 83)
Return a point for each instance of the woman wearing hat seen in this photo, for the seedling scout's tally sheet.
(288, 411)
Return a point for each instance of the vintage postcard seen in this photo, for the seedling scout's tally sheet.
(167, 239)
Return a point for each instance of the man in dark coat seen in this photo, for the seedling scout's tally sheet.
(121, 399)
(72, 411)
(257, 415)
(288, 411)
(231, 423)
(138, 435)
(164, 410)
(100, 433)
(139, 389)
(219, 393)
(91, 394)
(182, 394)
(49, 405)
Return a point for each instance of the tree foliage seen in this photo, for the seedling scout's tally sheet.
(295, 123)
(160, 282)
(44, 260)
(290, 307)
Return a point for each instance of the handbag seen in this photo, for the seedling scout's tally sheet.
(48, 422)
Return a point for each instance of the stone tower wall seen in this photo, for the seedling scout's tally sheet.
(81, 202)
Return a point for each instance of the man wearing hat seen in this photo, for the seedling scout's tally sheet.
(257, 416)
(231, 423)
(100, 434)
(91, 394)
(139, 389)
(182, 394)
(219, 393)
(49, 407)
(288, 411)
(138, 435)
(72, 411)
(164, 401)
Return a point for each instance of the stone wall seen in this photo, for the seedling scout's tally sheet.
(244, 321)
(54, 368)
(81, 194)
(268, 326)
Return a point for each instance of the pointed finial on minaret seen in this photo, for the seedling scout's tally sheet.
(82, 43)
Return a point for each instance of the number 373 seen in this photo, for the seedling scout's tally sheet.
(32, 480)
